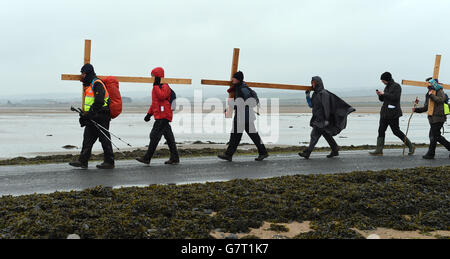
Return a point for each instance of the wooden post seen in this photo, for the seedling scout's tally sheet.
(437, 66)
(87, 60)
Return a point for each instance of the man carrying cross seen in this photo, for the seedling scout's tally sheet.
(434, 105)
(390, 114)
(96, 108)
(245, 100)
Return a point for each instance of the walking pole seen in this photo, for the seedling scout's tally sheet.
(416, 102)
(97, 126)
(112, 134)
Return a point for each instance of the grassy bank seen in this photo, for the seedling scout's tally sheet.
(187, 152)
(412, 199)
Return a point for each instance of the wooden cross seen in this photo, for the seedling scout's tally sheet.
(437, 66)
(125, 79)
(234, 69)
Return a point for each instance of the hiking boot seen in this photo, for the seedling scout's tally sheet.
(173, 162)
(305, 154)
(379, 150)
(411, 146)
(78, 164)
(106, 166)
(143, 160)
(225, 157)
(261, 158)
(333, 154)
(428, 156)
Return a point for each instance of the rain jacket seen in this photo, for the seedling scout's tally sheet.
(161, 108)
(391, 101)
(438, 113)
(329, 111)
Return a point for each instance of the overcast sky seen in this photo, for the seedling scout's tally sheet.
(347, 42)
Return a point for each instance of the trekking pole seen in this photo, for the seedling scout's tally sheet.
(416, 102)
(97, 126)
(112, 134)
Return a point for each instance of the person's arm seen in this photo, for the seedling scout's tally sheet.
(308, 99)
(326, 106)
(161, 93)
(393, 94)
(439, 97)
(422, 109)
(99, 101)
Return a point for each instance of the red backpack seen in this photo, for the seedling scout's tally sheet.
(115, 106)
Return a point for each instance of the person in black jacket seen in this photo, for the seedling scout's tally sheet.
(96, 108)
(244, 119)
(329, 117)
(391, 112)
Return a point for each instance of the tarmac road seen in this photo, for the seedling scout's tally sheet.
(48, 178)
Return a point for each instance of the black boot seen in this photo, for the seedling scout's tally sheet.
(226, 157)
(106, 166)
(305, 154)
(78, 164)
(171, 161)
(261, 158)
(333, 154)
(143, 160)
(429, 156)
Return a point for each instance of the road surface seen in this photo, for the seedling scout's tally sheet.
(48, 178)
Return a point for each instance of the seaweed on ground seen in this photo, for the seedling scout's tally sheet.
(410, 199)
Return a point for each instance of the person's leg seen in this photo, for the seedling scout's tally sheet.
(433, 143)
(381, 137)
(438, 135)
(254, 136)
(105, 140)
(316, 133)
(90, 136)
(170, 138)
(395, 127)
(235, 139)
(155, 136)
(334, 146)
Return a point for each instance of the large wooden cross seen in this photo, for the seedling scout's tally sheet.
(125, 79)
(234, 69)
(437, 66)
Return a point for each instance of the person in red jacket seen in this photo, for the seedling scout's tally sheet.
(161, 109)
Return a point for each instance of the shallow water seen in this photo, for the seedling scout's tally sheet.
(30, 135)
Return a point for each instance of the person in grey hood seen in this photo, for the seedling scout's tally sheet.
(329, 117)
(390, 114)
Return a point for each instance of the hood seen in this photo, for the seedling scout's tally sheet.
(90, 74)
(158, 72)
(319, 84)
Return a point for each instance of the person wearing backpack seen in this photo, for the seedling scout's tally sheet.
(161, 109)
(434, 105)
(96, 108)
(245, 102)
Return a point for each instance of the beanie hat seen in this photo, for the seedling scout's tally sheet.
(88, 69)
(386, 76)
(239, 76)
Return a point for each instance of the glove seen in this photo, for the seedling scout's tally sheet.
(83, 121)
(308, 93)
(147, 118)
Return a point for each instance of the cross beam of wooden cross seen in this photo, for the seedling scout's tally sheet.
(124, 79)
(234, 69)
(437, 66)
